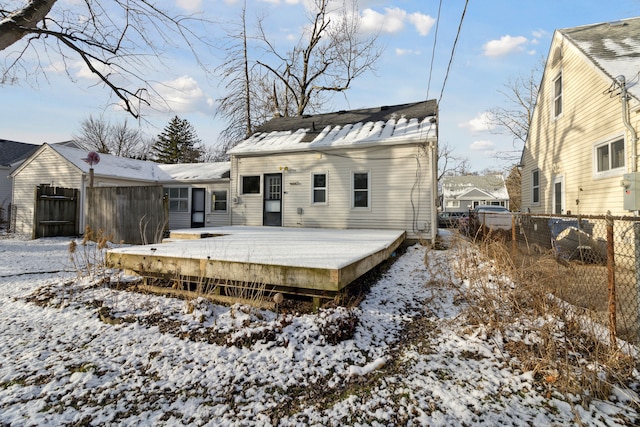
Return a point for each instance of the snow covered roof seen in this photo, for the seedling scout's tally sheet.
(613, 46)
(455, 186)
(386, 125)
(197, 171)
(141, 170)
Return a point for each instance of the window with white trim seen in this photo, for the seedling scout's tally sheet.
(557, 96)
(609, 156)
(453, 203)
(219, 201)
(251, 184)
(319, 189)
(361, 189)
(178, 199)
(535, 186)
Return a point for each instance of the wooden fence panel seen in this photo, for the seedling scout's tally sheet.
(56, 212)
(135, 215)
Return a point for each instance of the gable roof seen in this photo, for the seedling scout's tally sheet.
(386, 125)
(614, 47)
(138, 170)
(454, 187)
(12, 151)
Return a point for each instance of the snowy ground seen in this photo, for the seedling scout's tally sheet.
(404, 356)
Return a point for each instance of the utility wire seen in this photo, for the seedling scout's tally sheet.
(433, 51)
(453, 49)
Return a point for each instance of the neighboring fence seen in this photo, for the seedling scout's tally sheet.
(600, 257)
(136, 215)
(56, 212)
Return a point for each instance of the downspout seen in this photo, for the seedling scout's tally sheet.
(434, 190)
(627, 123)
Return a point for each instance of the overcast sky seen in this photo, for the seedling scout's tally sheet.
(498, 40)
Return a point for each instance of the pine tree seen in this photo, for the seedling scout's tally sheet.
(178, 143)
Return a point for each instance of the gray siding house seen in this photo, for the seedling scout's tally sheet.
(371, 168)
(463, 193)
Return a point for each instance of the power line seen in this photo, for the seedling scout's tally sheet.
(433, 52)
(453, 49)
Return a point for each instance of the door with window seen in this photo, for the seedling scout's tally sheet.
(272, 211)
(558, 195)
(197, 207)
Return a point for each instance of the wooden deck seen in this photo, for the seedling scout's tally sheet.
(318, 263)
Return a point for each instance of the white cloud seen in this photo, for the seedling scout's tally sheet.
(505, 45)
(402, 52)
(393, 21)
(482, 145)
(183, 95)
(190, 5)
(422, 22)
(480, 123)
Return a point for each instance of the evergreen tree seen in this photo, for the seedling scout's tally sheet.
(178, 143)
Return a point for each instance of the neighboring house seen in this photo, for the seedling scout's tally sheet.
(463, 193)
(372, 168)
(582, 145)
(190, 188)
(12, 154)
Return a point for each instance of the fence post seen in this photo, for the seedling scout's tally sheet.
(611, 279)
(514, 245)
(636, 250)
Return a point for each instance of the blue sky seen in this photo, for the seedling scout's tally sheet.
(499, 39)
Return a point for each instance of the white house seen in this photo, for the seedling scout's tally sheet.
(196, 192)
(371, 168)
(581, 153)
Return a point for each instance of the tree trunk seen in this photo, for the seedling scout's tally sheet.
(23, 21)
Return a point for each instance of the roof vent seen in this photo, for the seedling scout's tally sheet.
(617, 24)
(341, 112)
(384, 107)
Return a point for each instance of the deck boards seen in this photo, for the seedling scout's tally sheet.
(313, 262)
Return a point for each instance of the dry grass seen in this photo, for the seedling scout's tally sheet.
(521, 298)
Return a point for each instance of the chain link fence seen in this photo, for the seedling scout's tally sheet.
(595, 263)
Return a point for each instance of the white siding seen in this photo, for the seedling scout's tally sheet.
(562, 148)
(400, 185)
(46, 168)
(181, 220)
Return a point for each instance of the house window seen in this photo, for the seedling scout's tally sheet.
(361, 189)
(610, 156)
(219, 201)
(319, 195)
(251, 184)
(557, 96)
(535, 186)
(178, 199)
(453, 203)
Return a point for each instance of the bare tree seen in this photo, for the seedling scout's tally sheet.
(114, 39)
(515, 118)
(329, 55)
(450, 163)
(118, 139)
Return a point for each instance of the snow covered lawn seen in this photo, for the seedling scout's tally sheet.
(404, 356)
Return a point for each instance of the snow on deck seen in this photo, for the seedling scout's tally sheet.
(294, 247)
